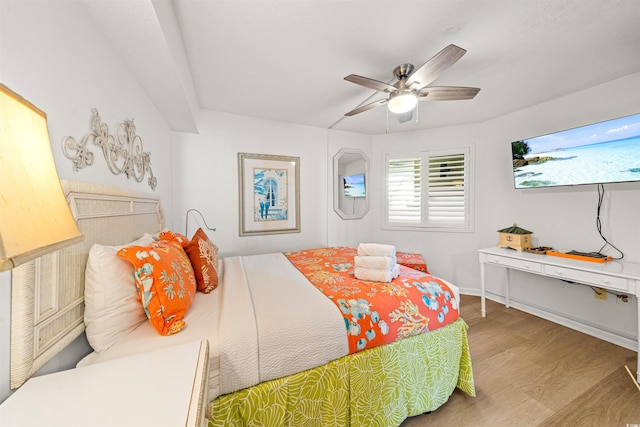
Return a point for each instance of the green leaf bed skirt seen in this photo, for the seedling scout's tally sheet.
(381, 386)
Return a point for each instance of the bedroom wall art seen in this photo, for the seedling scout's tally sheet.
(269, 194)
(123, 151)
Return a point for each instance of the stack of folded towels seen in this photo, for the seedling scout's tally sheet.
(376, 262)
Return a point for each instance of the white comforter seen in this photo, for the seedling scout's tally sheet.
(264, 321)
(274, 322)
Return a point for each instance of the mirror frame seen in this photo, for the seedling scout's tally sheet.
(336, 183)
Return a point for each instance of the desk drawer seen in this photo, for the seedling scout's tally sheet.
(519, 264)
(600, 280)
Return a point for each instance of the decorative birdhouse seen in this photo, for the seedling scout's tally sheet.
(515, 238)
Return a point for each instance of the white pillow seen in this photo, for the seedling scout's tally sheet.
(111, 306)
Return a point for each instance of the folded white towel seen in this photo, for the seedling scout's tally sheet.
(382, 262)
(376, 249)
(376, 274)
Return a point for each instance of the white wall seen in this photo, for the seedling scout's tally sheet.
(206, 178)
(444, 252)
(349, 232)
(51, 55)
(564, 218)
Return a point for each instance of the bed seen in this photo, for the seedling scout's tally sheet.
(279, 350)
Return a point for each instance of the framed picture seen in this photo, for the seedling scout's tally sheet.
(269, 194)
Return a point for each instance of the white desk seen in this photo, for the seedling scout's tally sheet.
(616, 276)
(166, 387)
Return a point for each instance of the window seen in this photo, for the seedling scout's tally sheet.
(429, 190)
(404, 191)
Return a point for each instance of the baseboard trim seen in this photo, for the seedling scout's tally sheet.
(608, 335)
(472, 292)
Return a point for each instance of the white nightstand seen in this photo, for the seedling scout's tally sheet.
(166, 387)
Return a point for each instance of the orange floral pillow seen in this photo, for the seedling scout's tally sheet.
(204, 260)
(176, 237)
(164, 281)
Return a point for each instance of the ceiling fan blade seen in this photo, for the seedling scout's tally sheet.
(405, 117)
(366, 107)
(447, 93)
(432, 69)
(370, 83)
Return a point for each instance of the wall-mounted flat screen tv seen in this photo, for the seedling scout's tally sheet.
(354, 185)
(598, 153)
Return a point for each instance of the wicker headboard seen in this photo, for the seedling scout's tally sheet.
(47, 307)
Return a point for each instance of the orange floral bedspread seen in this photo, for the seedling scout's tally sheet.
(377, 313)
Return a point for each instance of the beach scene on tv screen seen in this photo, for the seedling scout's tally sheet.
(599, 153)
(354, 186)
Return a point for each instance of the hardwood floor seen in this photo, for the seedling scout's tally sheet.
(532, 372)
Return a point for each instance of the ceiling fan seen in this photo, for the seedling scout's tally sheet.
(413, 86)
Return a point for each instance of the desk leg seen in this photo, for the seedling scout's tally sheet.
(507, 299)
(638, 357)
(483, 307)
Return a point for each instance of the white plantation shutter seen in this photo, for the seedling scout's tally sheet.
(446, 189)
(404, 190)
(429, 190)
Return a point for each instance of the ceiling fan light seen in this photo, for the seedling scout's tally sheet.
(402, 102)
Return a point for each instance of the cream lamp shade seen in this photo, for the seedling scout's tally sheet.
(34, 215)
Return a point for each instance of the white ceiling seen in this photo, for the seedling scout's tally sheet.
(286, 60)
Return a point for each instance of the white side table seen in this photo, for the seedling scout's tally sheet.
(165, 387)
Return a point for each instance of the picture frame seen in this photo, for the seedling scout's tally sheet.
(269, 189)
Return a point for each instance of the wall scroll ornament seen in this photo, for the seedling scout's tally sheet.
(122, 151)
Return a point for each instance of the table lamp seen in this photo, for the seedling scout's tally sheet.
(35, 218)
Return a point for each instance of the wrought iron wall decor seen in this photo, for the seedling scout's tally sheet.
(123, 151)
